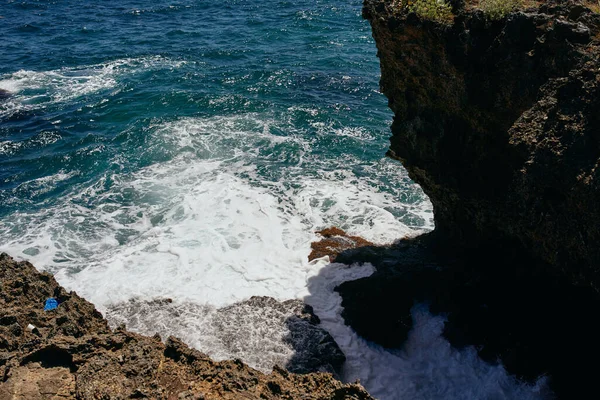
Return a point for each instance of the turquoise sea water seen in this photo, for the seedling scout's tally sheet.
(288, 89)
(190, 149)
(91, 83)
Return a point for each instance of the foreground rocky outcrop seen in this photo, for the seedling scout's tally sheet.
(73, 354)
(499, 122)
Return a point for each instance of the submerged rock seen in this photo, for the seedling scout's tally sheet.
(313, 348)
(75, 354)
(4, 94)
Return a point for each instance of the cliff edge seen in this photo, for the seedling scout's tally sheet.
(498, 120)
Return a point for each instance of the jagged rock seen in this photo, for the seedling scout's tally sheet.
(76, 355)
(498, 123)
(333, 242)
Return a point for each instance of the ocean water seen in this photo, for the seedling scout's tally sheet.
(190, 150)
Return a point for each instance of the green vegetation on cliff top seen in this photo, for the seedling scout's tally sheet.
(441, 10)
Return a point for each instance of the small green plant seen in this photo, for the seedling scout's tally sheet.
(434, 10)
(498, 9)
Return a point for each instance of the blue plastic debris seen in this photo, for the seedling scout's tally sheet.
(51, 304)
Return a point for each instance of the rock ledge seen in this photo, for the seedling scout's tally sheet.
(73, 354)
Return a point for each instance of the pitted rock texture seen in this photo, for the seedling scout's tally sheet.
(73, 354)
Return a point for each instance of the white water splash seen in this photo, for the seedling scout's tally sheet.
(427, 367)
(205, 226)
(32, 90)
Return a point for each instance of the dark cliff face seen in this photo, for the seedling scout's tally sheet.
(499, 123)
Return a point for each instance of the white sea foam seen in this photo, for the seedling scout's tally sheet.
(427, 367)
(31, 90)
(205, 226)
(42, 185)
(44, 138)
(212, 226)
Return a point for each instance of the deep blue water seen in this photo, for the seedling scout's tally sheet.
(90, 79)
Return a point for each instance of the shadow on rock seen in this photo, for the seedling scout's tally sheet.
(315, 349)
(4, 94)
(500, 300)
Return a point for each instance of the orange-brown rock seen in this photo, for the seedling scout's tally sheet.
(334, 242)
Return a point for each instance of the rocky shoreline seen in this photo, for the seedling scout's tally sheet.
(72, 353)
(498, 121)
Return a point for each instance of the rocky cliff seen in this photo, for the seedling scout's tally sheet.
(71, 353)
(499, 122)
